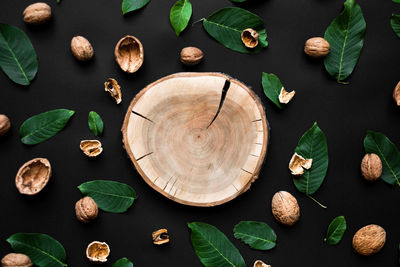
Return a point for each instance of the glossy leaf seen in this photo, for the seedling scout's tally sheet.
(109, 196)
(395, 23)
(42, 249)
(336, 230)
(180, 15)
(18, 58)
(312, 145)
(272, 87)
(257, 235)
(379, 144)
(95, 123)
(213, 248)
(226, 26)
(132, 5)
(123, 262)
(43, 126)
(346, 36)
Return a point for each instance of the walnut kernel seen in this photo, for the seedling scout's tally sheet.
(191, 56)
(97, 251)
(369, 240)
(16, 260)
(37, 13)
(81, 48)
(371, 167)
(91, 148)
(317, 47)
(5, 124)
(86, 209)
(250, 37)
(33, 176)
(285, 208)
(112, 86)
(160, 237)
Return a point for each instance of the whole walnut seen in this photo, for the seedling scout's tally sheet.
(285, 208)
(317, 47)
(369, 240)
(16, 260)
(371, 167)
(86, 209)
(81, 48)
(191, 56)
(5, 124)
(37, 13)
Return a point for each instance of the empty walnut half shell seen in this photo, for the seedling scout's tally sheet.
(129, 54)
(97, 251)
(250, 37)
(297, 164)
(33, 176)
(91, 148)
(285, 97)
(112, 86)
(160, 237)
(259, 263)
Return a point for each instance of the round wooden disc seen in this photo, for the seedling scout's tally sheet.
(197, 138)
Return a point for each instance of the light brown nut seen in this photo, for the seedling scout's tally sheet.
(371, 167)
(285, 208)
(97, 251)
(191, 56)
(160, 237)
(5, 124)
(33, 176)
(16, 260)
(297, 164)
(285, 97)
(259, 263)
(112, 86)
(396, 94)
(37, 13)
(250, 37)
(81, 48)
(317, 47)
(91, 148)
(86, 209)
(129, 54)
(369, 240)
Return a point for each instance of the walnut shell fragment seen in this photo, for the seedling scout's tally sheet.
(285, 208)
(112, 86)
(91, 148)
(86, 209)
(297, 164)
(259, 263)
(369, 240)
(97, 251)
(160, 237)
(16, 260)
(396, 94)
(129, 54)
(37, 13)
(250, 37)
(371, 167)
(33, 176)
(285, 97)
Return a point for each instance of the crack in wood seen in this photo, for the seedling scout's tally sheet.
(235, 187)
(142, 116)
(167, 183)
(246, 171)
(254, 155)
(257, 120)
(172, 187)
(148, 154)
(224, 92)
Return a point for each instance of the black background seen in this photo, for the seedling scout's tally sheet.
(344, 113)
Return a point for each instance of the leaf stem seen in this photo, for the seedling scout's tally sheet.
(197, 21)
(341, 82)
(316, 201)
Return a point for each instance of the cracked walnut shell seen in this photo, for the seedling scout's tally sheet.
(91, 148)
(371, 167)
(81, 48)
(250, 37)
(97, 251)
(16, 260)
(317, 47)
(33, 176)
(297, 164)
(86, 209)
(369, 240)
(259, 263)
(5, 124)
(160, 237)
(285, 208)
(285, 97)
(129, 54)
(112, 86)
(37, 13)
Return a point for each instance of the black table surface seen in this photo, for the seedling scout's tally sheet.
(344, 113)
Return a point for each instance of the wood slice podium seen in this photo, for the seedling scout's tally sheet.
(197, 138)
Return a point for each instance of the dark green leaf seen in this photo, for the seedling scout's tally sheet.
(257, 235)
(379, 144)
(43, 126)
(395, 23)
(226, 26)
(95, 123)
(17, 56)
(312, 145)
(58, 1)
(132, 5)
(123, 262)
(109, 196)
(336, 230)
(213, 248)
(396, 1)
(272, 87)
(346, 36)
(180, 15)
(43, 250)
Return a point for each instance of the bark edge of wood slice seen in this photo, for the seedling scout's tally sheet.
(199, 139)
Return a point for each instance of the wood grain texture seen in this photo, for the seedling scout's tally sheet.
(197, 138)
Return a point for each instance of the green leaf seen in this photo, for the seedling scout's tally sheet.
(43, 126)
(346, 36)
(180, 15)
(395, 23)
(95, 123)
(312, 145)
(123, 262)
(272, 87)
(132, 5)
(336, 230)
(58, 1)
(213, 248)
(42, 249)
(396, 1)
(17, 56)
(109, 196)
(379, 144)
(226, 26)
(257, 235)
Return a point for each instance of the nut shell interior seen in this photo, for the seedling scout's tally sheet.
(297, 164)
(259, 263)
(97, 251)
(250, 37)
(129, 54)
(112, 86)
(91, 148)
(160, 237)
(33, 176)
(285, 97)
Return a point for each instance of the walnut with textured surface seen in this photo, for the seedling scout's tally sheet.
(191, 56)
(33, 176)
(37, 13)
(369, 240)
(317, 47)
(86, 209)
(97, 251)
(371, 167)
(5, 124)
(81, 48)
(285, 208)
(16, 260)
